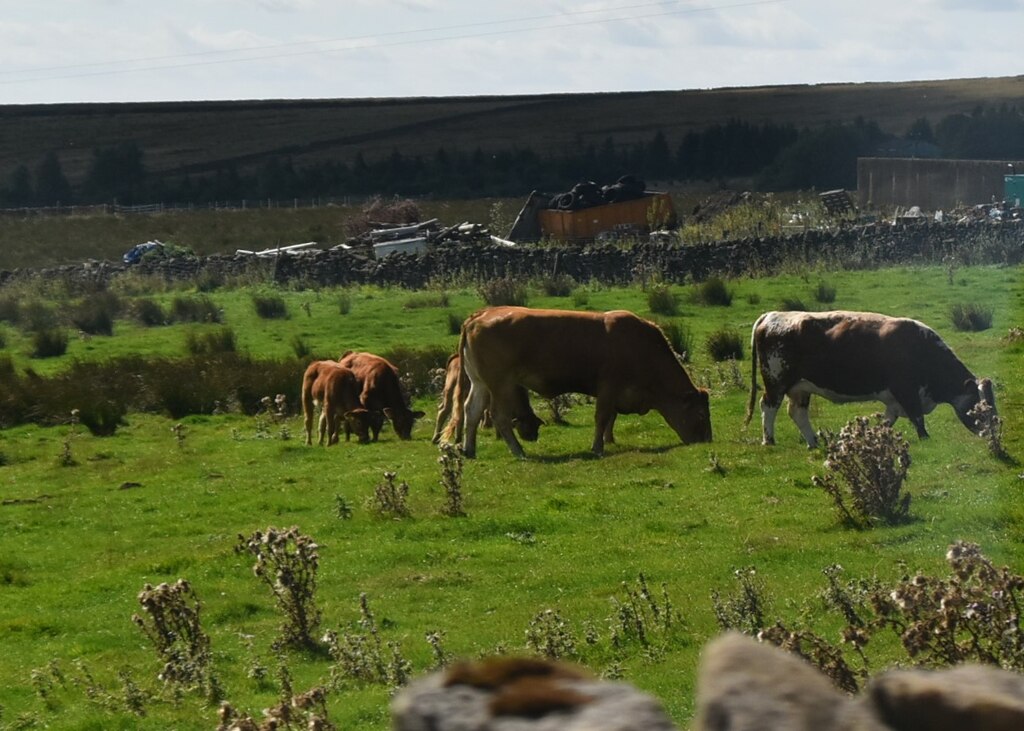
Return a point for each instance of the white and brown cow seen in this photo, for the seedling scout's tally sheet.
(857, 356)
(621, 360)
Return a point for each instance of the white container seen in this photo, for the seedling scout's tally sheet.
(402, 246)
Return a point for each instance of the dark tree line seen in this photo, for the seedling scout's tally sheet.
(773, 156)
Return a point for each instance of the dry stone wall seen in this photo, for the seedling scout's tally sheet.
(447, 264)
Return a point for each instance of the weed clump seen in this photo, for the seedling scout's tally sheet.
(714, 292)
(287, 562)
(221, 340)
(503, 291)
(95, 314)
(426, 299)
(680, 338)
(49, 343)
(792, 304)
(559, 285)
(270, 306)
(724, 344)
(194, 309)
(662, 301)
(866, 465)
(148, 312)
(970, 317)
(825, 293)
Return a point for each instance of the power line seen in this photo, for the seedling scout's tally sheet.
(369, 46)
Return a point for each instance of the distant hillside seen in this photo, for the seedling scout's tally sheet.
(199, 137)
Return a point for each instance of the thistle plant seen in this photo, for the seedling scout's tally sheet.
(67, 457)
(866, 465)
(287, 562)
(179, 434)
(364, 656)
(990, 428)
(971, 616)
(390, 499)
(550, 635)
(295, 713)
(639, 615)
(451, 480)
(745, 611)
(171, 622)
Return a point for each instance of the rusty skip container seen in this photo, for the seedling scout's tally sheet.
(585, 224)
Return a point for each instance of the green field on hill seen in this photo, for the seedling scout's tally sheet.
(550, 549)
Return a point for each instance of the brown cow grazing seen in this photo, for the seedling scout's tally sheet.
(621, 360)
(322, 377)
(382, 390)
(309, 401)
(857, 356)
(456, 386)
(339, 391)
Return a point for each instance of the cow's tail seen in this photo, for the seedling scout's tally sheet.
(752, 400)
(458, 407)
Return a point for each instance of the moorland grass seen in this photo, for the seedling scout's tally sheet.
(164, 499)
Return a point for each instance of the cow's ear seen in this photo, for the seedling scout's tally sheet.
(418, 414)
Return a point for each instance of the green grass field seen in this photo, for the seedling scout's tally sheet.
(561, 530)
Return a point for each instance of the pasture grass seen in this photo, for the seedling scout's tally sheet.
(164, 499)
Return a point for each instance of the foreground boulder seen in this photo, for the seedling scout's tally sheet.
(744, 685)
(521, 694)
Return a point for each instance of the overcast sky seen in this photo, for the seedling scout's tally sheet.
(129, 50)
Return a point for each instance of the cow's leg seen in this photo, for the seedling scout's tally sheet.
(444, 412)
(503, 425)
(609, 436)
(604, 419)
(798, 403)
(307, 418)
(908, 402)
(474, 411)
(321, 427)
(769, 410)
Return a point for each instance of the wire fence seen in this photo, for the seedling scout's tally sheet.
(116, 209)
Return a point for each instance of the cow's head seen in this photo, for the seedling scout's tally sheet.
(690, 416)
(528, 426)
(357, 421)
(975, 392)
(403, 420)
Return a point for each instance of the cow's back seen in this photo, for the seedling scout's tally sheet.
(547, 351)
(556, 351)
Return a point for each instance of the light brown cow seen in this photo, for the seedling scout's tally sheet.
(456, 387)
(857, 356)
(382, 390)
(340, 405)
(336, 390)
(309, 400)
(621, 360)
